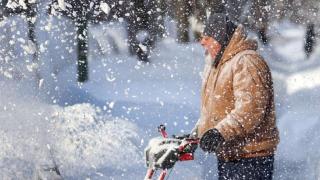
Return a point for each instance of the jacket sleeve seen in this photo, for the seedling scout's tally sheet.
(251, 87)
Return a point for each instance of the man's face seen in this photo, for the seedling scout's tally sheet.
(210, 45)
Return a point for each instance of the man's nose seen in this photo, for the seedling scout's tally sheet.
(202, 42)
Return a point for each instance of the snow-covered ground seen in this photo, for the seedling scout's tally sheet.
(98, 129)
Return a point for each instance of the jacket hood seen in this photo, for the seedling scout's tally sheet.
(239, 42)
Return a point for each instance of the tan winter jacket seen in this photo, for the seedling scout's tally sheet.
(237, 99)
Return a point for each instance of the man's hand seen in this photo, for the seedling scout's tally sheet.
(162, 153)
(211, 140)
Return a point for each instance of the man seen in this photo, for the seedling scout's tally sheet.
(237, 120)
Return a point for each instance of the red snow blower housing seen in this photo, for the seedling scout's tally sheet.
(163, 152)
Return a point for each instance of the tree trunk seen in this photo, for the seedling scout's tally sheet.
(182, 14)
(82, 37)
(309, 39)
(2, 6)
(31, 14)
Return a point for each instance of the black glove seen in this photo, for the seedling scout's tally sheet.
(210, 140)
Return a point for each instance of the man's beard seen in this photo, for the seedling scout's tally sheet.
(208, 59)
(207, 67)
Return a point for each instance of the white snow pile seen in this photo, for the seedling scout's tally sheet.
(85, 140)
(78, 138)
(23, 132)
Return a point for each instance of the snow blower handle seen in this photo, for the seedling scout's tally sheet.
(163, 153)
(162, 130)
(151, 171)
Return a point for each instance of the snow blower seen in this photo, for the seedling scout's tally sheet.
(162, 152)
